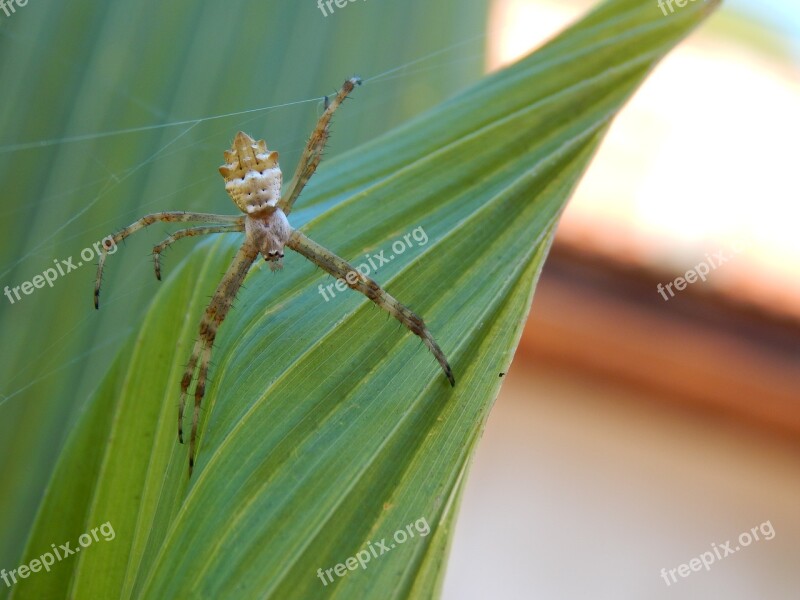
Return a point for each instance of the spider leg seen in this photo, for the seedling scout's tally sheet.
(164, 217)
(341, 269)
(201, 354)
(192, 231)
(316, 144)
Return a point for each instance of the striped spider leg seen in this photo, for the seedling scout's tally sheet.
(253, 180)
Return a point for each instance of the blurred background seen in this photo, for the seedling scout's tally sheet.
(632, 432)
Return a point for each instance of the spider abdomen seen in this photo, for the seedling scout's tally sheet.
(252, 176)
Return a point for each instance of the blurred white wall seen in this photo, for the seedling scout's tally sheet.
(584, 490)
(704, 156)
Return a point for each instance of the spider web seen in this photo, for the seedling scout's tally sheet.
(179, 142)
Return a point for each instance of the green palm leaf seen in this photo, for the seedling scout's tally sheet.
(68, 70)
(328, 427)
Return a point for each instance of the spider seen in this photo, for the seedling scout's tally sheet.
(253, 180)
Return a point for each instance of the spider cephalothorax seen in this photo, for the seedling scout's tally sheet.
(253, 180)
(269, 234)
